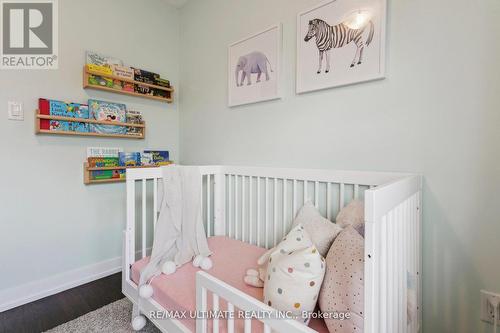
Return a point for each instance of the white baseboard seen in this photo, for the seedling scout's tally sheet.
(32, 291)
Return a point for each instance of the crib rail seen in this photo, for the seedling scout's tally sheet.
(257, 205)
(235, 300)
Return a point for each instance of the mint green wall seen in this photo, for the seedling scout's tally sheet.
(50, 222)
(438, 113)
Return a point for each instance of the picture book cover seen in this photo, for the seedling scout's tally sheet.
(68, 126)
(103, 151)
(130, 159)
(107, 111)
(107, 174)
(62, 109)
(159, 157)
(134, 117)
(99, 162)
(102, 60)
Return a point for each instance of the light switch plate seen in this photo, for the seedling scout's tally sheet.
(15, 110)
(487, 310)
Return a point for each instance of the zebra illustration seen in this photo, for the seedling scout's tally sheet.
(340, 35)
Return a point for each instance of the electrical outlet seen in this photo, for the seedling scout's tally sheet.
(487, 310)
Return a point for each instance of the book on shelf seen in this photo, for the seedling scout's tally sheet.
(107, 174)
(100, 162)
(134, 117)
(52, 107)
(157, 157)
(132, 159)
(102, 60)
(107, 111)
(103, 151)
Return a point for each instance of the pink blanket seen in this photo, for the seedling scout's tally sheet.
(231, 258)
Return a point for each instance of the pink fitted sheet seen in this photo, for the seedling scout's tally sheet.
(231, 258)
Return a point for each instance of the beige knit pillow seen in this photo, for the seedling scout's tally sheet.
(321, 230)
(343, 285)
(354, 215)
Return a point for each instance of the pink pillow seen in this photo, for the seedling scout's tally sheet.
(343, 285)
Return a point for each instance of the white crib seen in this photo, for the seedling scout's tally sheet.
(257, 205)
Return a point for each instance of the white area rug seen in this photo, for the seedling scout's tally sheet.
(112, 318)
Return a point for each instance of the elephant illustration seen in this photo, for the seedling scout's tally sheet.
(255, 62)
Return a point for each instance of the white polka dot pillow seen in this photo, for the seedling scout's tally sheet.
(294, 274)
(321, 230)
(343, 286)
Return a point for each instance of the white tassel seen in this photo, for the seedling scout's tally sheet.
(146, 291)
(206, 264)
(168, 268)
(138, 323)
(197, 261)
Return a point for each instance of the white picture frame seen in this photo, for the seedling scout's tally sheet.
(334, 12)
(267, 43)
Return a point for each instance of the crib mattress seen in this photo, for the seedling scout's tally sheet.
(231, 258)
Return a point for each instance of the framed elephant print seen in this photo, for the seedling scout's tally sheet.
(340, 42)
(254, 66)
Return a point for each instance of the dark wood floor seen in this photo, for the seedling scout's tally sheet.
(57, 309)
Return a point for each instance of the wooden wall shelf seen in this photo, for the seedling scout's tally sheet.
(87, 179)
(86, 85)
(39, 117)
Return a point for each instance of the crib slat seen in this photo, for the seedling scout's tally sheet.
(215, 299)
(283, 232)
(328, 204)
(294, 203)
(402, 268)
(201, 305)
(230, 203)
(208, 206)
(384, 250)
(316, 194)
(258, 211)
(144, 218)
(275, 210)
(267, 210)
(356, 191)
(236, 217)
(243, 206)
(248, 325)
(392, 273)
(155, 202)
(230, 320)
(341, 196)
(305, 191)
(250, 209)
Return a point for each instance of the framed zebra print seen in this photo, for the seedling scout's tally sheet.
(254, 67)
(340, 42)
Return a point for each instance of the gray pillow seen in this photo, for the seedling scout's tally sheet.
(321, 230)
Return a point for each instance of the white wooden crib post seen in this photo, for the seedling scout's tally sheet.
(129, 241)
(220, 204)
